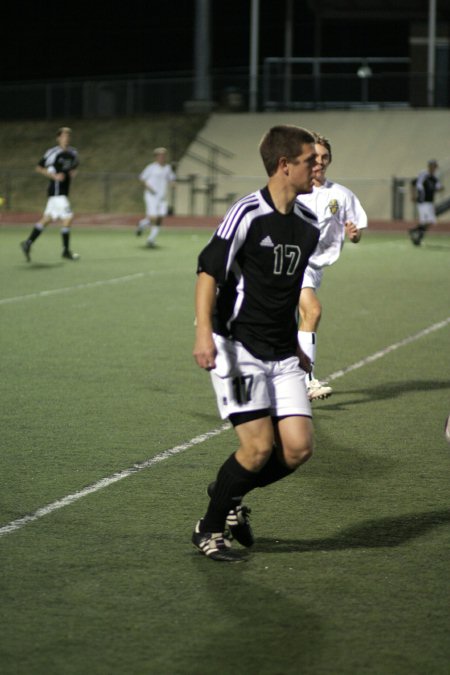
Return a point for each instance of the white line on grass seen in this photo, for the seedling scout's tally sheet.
(391, 348)
(68, 289)
(106, 482)
(166, 454)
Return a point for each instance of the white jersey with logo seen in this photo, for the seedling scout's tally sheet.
(333, 205)
(158, 177)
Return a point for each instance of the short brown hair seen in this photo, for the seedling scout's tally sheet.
(284, 140)
(321, 140)
(61, 130)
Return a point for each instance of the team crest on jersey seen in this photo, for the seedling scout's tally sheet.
(333, 206)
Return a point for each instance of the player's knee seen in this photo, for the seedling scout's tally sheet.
(256, 453)
(315, 313)
(311, 314)
(297, 455)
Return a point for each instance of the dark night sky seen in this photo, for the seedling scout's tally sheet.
(55, 40)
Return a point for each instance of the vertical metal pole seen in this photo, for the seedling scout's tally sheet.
(431, 51)
(288, 41)
(254, 50)
(202, 86)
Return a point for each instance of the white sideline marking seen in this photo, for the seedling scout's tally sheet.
(162, 456)
(68, 289)
(106, 482)
(388, 350)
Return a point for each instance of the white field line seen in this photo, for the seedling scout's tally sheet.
(68, 289)
(106, 482)
(391, 348)
(166, 454)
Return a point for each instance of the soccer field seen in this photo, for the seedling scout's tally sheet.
(110, 436)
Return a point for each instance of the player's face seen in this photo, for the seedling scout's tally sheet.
(301, 169)
(323, 162)
(64, 139)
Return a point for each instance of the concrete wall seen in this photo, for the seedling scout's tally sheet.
(369, 148)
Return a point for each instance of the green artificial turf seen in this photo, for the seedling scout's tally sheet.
(349, 573)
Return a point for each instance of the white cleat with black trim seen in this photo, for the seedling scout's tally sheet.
(318, 390)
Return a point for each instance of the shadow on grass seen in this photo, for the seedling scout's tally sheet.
(255, 628)
(33, 266)
(386, 532)
(382, 392)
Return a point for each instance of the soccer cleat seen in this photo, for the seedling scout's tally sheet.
(138, 231)
(214, 545)
(25, 246)
(318, 390)
(415, 236)
(70, 256)
(237, 522)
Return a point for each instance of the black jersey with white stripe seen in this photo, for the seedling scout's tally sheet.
(62, 161)
(426, 185)
(258, 257)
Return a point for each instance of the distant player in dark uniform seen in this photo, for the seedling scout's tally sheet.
(424, 188)
(248, 285)
(59, 164)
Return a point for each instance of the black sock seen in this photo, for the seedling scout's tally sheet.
(65, 237)
(422, 229)
(272, 471)
(232, 483)
(34, 235)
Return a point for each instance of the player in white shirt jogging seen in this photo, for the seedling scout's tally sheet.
(157, 177)
(339, 212)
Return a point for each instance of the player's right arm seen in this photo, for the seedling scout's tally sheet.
(205, 299)
(49, 172)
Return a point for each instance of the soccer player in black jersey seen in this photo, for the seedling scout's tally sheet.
(424, 188)
(248, 285)
(59, 165)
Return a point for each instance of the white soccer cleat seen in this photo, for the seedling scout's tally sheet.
(318, 390)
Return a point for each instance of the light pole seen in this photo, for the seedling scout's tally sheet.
(254, 50)
(431, 52)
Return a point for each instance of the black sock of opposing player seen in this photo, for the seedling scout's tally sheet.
(422, 229)
(232, 483)
(35, 232)
(65, 238)
(273, 471)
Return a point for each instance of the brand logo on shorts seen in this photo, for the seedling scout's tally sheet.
(267, 241)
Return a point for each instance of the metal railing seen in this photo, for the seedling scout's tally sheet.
(283, 84)
(110, 192)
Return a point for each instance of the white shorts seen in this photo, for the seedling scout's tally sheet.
(244, 383)
(58, 208)
(427, 213)
(312, 278)
(154, 205)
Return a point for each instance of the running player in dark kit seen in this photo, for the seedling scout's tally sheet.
(59, 164)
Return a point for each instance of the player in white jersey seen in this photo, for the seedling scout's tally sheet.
(157, 178)
(339, 213)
